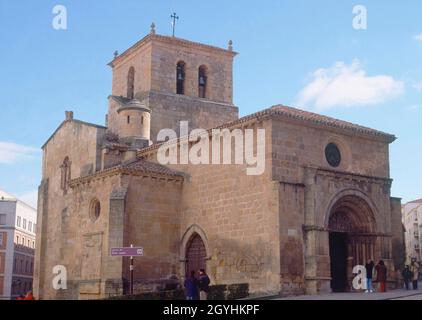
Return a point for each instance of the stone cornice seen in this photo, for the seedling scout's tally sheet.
(315, 120)
(293, 184)
(349, 175)
(150, 94)
(171, 40)
(309, 228)
(122, 171)
(96, 176)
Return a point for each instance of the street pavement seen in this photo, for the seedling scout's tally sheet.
(390, 295)
(416, 297)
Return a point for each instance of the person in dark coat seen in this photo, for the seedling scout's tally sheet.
(204, 285)
(369, 266)
(414, 268)
(407, 276)
(191, 287)
(381, 275)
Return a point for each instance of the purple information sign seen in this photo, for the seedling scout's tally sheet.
(127, 252)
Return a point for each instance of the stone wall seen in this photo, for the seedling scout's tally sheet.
(309, 185)
(397, 230)
(292, 258)
(165, 56)
(237, 217)
(169, 109)
(297, 146)
(141, 62)
(59, 210)
(155, 59)
(153, 222)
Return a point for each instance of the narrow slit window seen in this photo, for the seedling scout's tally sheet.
(131, 83)
(202, 82)
(180, 78)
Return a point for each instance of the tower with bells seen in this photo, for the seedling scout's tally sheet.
(162, 80)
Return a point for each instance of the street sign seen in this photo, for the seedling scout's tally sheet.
(127, 252)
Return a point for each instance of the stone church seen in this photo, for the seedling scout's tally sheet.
(322, 205)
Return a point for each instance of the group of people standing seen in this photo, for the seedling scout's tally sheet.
(381, 275)
(410, 274)
(197, 288)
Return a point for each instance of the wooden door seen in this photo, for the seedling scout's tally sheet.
(195, 255)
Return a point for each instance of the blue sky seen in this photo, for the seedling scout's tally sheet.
(301, 53)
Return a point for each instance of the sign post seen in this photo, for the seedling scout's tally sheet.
(128, 252)
(131, 272)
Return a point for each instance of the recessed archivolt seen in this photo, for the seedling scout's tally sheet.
(351, 211)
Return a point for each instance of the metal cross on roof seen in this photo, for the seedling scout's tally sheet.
(175, 17)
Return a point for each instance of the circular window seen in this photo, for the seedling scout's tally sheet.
(95, 210)
(333, 155)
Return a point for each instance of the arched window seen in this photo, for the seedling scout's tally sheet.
(65, 173)
(202, 81)
(94, 210)
(131, 83)
(180, 78)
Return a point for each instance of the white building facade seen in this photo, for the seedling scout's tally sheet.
(17, 246)
(412, 221)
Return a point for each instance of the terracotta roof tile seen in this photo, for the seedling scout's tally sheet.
(299, 115)
(328, 121)
(416, 201)
(147, 166)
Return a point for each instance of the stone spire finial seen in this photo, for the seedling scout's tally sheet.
(230, 45)
(152, 28)
(69, 115)
(116, 54)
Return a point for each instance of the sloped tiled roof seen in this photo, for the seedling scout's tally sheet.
(147, 166)
(327, 121)
(298, 115)
(416, 201)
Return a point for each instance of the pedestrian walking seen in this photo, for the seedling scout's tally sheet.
(414, 268)
(369, 266)
(204, 285)
(407, 276)
(381, 270)
(191, 287)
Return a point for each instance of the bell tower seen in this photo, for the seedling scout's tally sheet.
(175, 80)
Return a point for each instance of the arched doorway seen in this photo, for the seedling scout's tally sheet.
(352, 239)
(196, 254)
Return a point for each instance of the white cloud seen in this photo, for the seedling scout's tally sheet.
(418, 86)
(415, 107)
(418, 37)
(343, 85)
(11, 153)
(30, 197)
